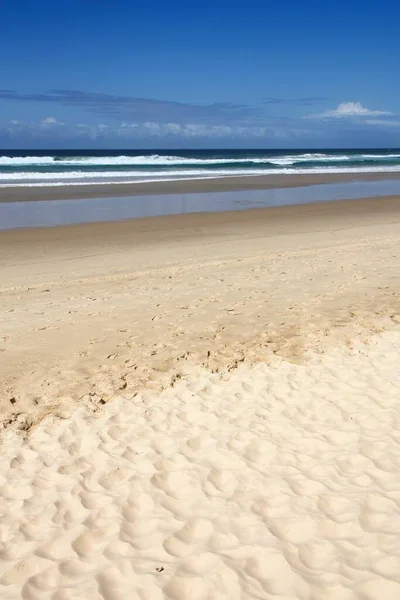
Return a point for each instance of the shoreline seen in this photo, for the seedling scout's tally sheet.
(223, 184)
(275, 220)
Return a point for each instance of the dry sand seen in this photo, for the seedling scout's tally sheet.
(268, 465)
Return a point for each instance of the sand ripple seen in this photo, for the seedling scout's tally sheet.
(278, 481)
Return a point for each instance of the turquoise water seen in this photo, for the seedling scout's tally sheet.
(67, 167)
(64, 212)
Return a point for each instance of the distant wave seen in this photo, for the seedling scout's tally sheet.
(159, 160)
(68, 168)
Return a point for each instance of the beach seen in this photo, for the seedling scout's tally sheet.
(202, 406)
(183, 186)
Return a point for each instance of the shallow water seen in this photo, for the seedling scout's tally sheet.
(87, 210)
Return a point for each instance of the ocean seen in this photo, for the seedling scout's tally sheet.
(71, 167)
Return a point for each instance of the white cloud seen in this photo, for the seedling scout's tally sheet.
(383, 122)
(50, 126)
(188, 130)
(47, 127)
(50, 129)
(50, 121)
(349, 110)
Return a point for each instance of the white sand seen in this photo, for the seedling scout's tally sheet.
(280, 481)
(276, 477)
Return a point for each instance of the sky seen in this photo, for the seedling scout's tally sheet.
(211, 74)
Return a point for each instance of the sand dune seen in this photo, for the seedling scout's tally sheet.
(204, 407)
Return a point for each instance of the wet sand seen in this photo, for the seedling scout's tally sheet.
(66, 291)
(35, 193)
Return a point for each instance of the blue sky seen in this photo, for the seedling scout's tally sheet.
(172, 74)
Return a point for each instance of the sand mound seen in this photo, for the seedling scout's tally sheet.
(280, 481)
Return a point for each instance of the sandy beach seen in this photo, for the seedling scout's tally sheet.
(202, 406)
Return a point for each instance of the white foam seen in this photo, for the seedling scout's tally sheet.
(157, 160)
(26, 179)
(154, 159)
(8, 161)
(290, 160)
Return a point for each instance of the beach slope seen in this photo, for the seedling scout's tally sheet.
(203, 406)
